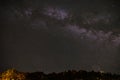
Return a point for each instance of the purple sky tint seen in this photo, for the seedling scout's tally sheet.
(57, 36)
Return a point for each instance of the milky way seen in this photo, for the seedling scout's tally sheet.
(60, 35)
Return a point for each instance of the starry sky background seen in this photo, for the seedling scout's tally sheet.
(57, 35)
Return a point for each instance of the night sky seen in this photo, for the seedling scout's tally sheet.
(58, 35)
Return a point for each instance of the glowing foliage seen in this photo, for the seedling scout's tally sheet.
(12, 74)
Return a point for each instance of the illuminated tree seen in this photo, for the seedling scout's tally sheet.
(12, 74)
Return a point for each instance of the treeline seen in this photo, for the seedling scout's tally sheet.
(67, 75)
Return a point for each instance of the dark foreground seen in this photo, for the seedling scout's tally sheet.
(12, 74)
